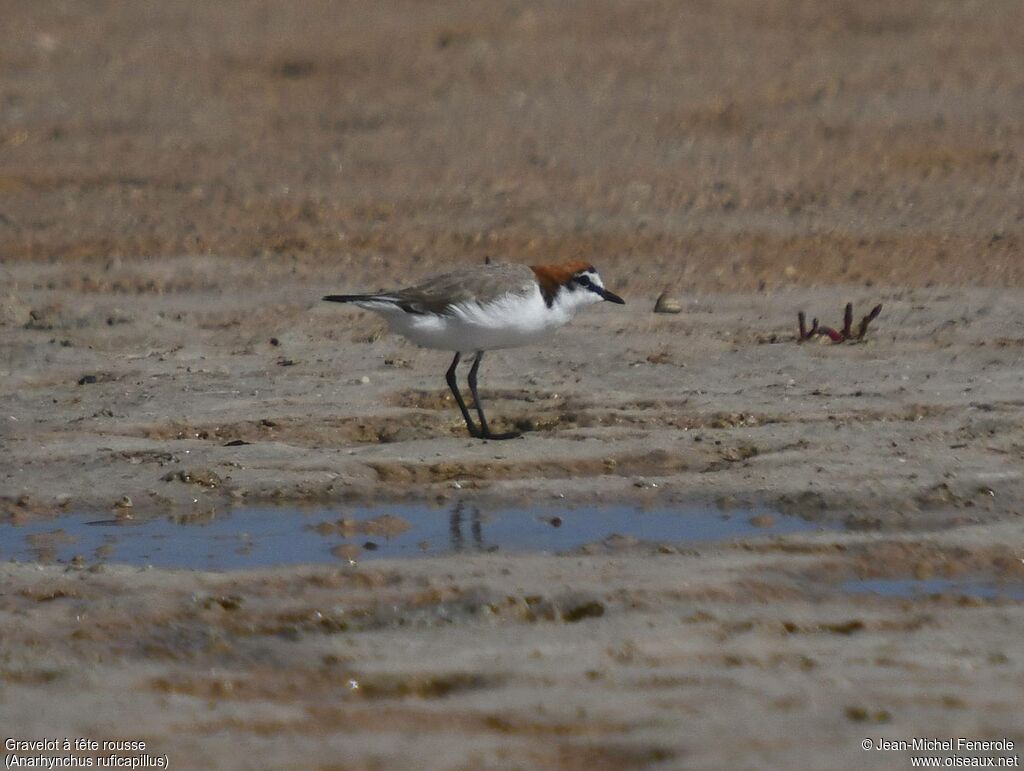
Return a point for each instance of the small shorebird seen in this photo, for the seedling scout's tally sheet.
(479, 308)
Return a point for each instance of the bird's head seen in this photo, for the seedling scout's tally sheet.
(572, 285)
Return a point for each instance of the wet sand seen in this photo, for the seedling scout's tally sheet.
(180, 184)
(906, 449)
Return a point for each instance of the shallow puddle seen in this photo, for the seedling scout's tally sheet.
(914, 588)
(260, 537)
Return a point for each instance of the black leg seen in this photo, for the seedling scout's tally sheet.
(454, 385)
(485, 431)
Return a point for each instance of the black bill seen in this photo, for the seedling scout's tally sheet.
(609, 296)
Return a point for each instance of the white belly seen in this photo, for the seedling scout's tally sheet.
(505, 323)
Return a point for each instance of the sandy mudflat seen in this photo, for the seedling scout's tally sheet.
(906, 450)
(179, 183)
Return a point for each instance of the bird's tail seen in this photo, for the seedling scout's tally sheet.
(359, 298)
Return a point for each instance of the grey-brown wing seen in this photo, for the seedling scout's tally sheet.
(482, 283)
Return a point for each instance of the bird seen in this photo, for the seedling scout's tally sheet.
(481, 308)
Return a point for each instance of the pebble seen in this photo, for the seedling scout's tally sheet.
(666, 304)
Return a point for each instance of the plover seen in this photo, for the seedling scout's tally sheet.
(480, 308)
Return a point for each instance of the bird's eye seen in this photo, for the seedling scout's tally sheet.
(583, 280)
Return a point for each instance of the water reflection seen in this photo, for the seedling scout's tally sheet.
(909, 588)
(455, 537)
(256, 537)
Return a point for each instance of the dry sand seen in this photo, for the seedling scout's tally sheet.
(755, 161)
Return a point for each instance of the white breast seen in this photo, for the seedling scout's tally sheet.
(507, 322)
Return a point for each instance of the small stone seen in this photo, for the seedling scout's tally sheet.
(762, 520)
(578, 611)
(666, 304)
(124, 503)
